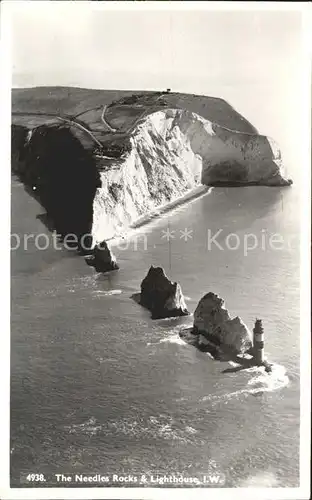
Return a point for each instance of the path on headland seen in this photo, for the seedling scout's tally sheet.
(148, 110)
(105, 121)
(153, 109)
(129, 130)
(69, 120)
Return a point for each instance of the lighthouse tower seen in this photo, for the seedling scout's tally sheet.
(258, 342)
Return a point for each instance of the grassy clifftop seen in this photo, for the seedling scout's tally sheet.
(123, 107)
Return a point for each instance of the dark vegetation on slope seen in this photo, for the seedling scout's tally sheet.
(114, 147)
(34, 107)
(226, 173)
(143, 99)
(76, 101)
(122, 114)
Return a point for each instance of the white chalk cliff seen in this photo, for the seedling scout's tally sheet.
(172, 151)
(106, 170)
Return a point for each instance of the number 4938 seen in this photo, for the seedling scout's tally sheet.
(35, 477)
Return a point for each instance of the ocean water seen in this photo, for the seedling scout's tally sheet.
(99, 387)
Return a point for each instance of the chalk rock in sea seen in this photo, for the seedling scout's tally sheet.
(161, 296)
(103, 259)
(213, 323)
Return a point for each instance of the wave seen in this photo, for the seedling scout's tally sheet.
(173, 338)
(261, 382)
(89, 427)
(263, 479)
(86, 282)
(99, 293)
(101, 360)
(173, 335)
(235, 365)
(269, 382)
(70, 285)
(160, 426)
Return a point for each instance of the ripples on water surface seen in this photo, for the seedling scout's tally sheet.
(98, 387)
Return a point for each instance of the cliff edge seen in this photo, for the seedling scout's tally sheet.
(102, 169)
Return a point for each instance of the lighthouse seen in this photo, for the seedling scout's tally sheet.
(258, 343)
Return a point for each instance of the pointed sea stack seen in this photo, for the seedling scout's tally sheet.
(103, 259)
(161, 296)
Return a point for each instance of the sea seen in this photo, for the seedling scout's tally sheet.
(99, 388)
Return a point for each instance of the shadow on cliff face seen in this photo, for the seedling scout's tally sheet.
(230, 174)
(18, 150)
(59, 173)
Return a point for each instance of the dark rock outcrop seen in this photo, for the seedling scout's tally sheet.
(61, 174)
(18, 149)
(103, 259)
(214, 326)
(161, 296)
